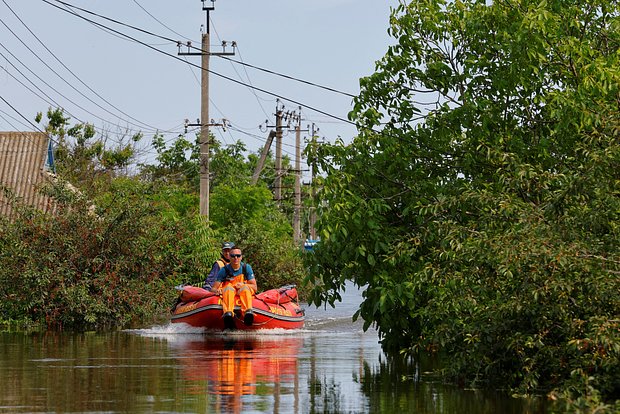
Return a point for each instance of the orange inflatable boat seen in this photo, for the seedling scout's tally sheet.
(275, 308)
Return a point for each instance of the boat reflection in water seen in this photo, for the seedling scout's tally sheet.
(241, 370)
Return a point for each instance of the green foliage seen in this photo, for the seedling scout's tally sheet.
(84, 269)
(228, 165)
(81, 158)
(176, 164)
(248, 215)
(483, 216)
(116, 245)
(239, 211)
(242, 204)
(179, 163)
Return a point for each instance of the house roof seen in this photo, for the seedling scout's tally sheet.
(22, 169)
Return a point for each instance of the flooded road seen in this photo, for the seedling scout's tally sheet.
(329, 366)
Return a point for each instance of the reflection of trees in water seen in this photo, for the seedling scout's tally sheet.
(325, 395)
(227, 374)
(403, 385)
(391, 385)
(72, 371)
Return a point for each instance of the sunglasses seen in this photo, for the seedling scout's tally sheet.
(234, 256)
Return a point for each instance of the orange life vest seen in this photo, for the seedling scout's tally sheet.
(230, 278)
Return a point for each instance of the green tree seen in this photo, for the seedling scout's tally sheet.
(83, 269)
(178, 163)
(81, 157)
(479, 203)
(229, 165)
(248, 215)
(239, 211)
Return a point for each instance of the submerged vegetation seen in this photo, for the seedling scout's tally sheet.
(479, 204)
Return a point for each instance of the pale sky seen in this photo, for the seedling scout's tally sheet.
(124, 85)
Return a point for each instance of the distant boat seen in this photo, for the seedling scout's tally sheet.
(275, 308)
(310, 243)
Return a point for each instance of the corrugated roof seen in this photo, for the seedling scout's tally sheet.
(22, 163)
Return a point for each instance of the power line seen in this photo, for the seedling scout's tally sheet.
(199, 49)
(248, 78)
(13, 118)
(48, 85)
(327, 88)
(251, 87)
(69, 70)
(106, 18)
(51, 102)
(176, 57)
(159, 21)
(20, 114)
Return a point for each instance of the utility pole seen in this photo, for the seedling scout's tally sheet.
(204, 128)
(312, 223)
(263, 157)
(297, 194)
(205, 52)
(297, 204)
(281, 116)
(278, 182)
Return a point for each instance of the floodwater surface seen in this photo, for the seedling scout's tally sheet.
(330, 366)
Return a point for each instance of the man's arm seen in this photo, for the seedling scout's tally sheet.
(221, 276)
(251, 279)
(212, 276)
(253, 284)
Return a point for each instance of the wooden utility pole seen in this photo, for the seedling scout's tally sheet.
(278, 181)
(205, 122)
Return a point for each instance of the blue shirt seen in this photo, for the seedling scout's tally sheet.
(249, 273)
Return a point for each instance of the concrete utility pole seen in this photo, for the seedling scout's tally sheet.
(297, 204)
(297, 236)
(287, 116)
(205, 52)
(263, 157)
(312, 223)
(278, 182)
(204, 128)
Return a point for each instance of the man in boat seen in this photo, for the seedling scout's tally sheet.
(218, 264)
(236, 279)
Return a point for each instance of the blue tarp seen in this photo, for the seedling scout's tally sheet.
(309, 244)
(50, 157)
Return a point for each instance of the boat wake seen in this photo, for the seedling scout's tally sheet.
(179, 332)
